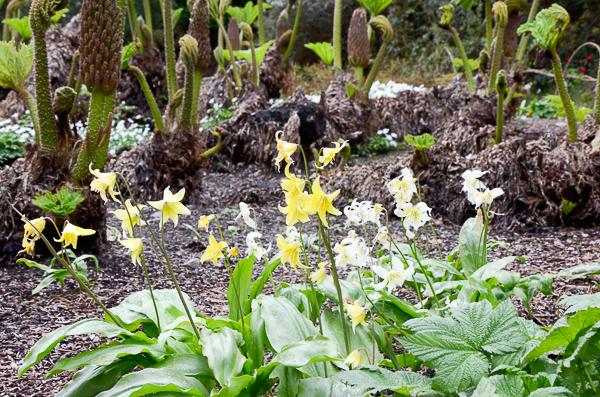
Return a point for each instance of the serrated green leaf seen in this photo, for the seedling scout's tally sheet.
(259, 52)
(150, 380)
(15, 65)
(323, 50)
(321, 387)
(547, 27)
(21, 26)
(420, 142)
(128, 52)
(58, 15)
(375, 7)
(577, 303)
(379, 379)
(95, 379)
(248, 13)
(552, 392)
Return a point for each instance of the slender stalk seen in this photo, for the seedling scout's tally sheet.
(497, 59)
(597, 100)
(500, 117)
(413, 246)
(261, 23)
(511, 94)
(359, 72)
(133, 22)
(149, 96)
(236, 73)
(288, 52)
(465, 59)
(148, 14)
(196, 98)
(525, 38)
(312, 287)
(188, 99)
(564, 96)
(488, 25)
(255, 68)
(374, 69)
(266, 259)
(72, 75)
(589, 378)
(167, 14)
(222, 33)
(32, 107)
(337, 35)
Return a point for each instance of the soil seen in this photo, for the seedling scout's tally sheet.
(24, 318)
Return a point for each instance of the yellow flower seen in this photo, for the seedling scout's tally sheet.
(31, 226)
(294, 210)
(357, 313)
(171, 206)
(319, 276)
(214, 251)
(285, 150)
(135, 246)
(123, 215)
(293, 185)
(204, 221)
(103, 181)
(319, 202)
(233, 252)
(354, 359)
(328, 156)
(290, 252)
(70, 234)
(28, 245)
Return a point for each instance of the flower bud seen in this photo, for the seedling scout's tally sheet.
(359, 48)
(501, 83)
(64, 99)
(189, 51)
(382, 25)
(200, 30)
(447, 14)
(484, 60)
(247, 31)
(500, 13)
(233, 32)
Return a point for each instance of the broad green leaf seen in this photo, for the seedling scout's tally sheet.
(239, 287)
(485, 388)
(580, 113)
(565, 330)
(15, 65)
(255, 349)
(547, 27)
(467, 4)
(83, 327)
(379, 379)
(585, 348)
(585, 269)
(321, 387)
(552, 392)
(420, 142)
(128, 52)
(187, 364)
(577, 303)
(473, 63)
(526, 288)
(396, 309)
(455, 346)
(489, 270)
(58, 15)
(21, 26)
(349, 290)
(263, 380)
(470, 245)
(235, 386)
(508, 385)
(175, 16)
(221, 350)
(150, 380)
(248, 13)
(323, 51)
(312, 350)
(288, 381)
(259, 52)
(375, 7)
(257, 287)
(106, 354)
(95, 379)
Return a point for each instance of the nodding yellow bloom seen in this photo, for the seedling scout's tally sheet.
(354, 359)
(171, 206)
(104, 181)
(319, 276)
(285, 150)
(70, 234)
(290, 253)
(328, 156)
(233, 252)
(31, 226)
(319, 202)
(357, 313)
(135, 246)
(129, 220)
(294, 211)
(204, 221)
(214, 251)
(293, 185)
(28, 246)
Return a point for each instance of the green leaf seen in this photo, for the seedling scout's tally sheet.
(259, 52)
(489, 270)
(564, 331)
(21, 26)
(467, 4)
(552, 392)
(258, 338)
(581, 114)
(321, 387)
(221, 350)
(507, 385)
(455, 346)
(585, 269)
(128, 52)
(257, 287)
(349, 290)
(350, 89)
(15, 65)
(106, 354)
(420, 142)
(485, 388)
(175, 16)
(84, 327)
(187, 364)
(49, 280)
(547, 27)
(469, 246)
(473, 63)
(576, 303)
(58, 15)
(150, 380)
(323, 51)
(379, 379)
(288, 381)
(526, 288)
(314, 349)
(239, 286)
(94, 379)
(248, 13)
(375, 7)
(585, 348)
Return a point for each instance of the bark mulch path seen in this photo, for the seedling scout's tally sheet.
(24, 318)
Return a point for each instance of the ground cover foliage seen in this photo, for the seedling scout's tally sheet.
(122, 109)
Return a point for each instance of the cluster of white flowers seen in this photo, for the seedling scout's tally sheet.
(413, 216)
(477, 192)
(352, 250)
(390, 137)
(23, 130)
(391, 89)
(316, 98)
(363, 212)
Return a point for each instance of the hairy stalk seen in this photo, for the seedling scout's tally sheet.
(212, 150)
(149, 96)
(148, 15)
(488, 25)
(167, 14)
(255, 69)
(564, 96)
(135, 26)
(511, 94)
(72, 74)
(597, 100)
(288, 52)
(465, 59)
(32, 107)
(236, 72)
(261, 23)
(196, 97)
(497, 59)
(374, 69)
(525, 38)
(359, 72)
(337, 35)
(188, 99)
(500, 117)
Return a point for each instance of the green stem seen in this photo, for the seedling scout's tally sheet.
(167, 14)
(337, 35)
(148, 14)
(72, 74)
(597, 103)
(359, 72)
(465, 59)
(236, 73)
(413, 246)
(500, 117)
(213, 149)
(133, 22)
(222, 33)
(497, 59)
(197, 86)
(488, 25)
(261, 23)
(525, 38)
(255, 70)
(32, 107)
(511, 94)
(149, 96)
(288, 52)
(564, 96)
(188, 99)
(374, 69)
(6, 31)
(589, 378)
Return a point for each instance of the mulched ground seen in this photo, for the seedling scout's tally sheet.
(24, 318)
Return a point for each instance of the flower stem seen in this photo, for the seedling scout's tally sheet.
(167, 14)
(564, 96)
(465, 59)
(293, 38)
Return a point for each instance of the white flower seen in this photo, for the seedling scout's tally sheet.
(292, 235)
(403, 189)
(451, 305)
(414, 216)
(486, 197)
(527, 87)
(245, 214)
(383, 236)
(359, 213)
(472, 184)
(353, 251)
(254, 248)
(394, 277)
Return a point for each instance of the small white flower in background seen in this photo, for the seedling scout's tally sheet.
(254, 247)
(414, 216)
(245, 214)
(383, 236)
(353, 251)
(486, 197)
(352, 235)
(394, 135)
(234, 100)
(472, 184)
(453, 304)
(527, 87)
(404, 188)
(292, 235)
(394, 277)
(374, 296)
(359, 213)
(538, 91)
